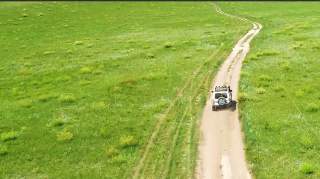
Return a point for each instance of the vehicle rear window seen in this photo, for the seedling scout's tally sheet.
(218, 95)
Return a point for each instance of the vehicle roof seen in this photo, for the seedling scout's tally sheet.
(221, 88)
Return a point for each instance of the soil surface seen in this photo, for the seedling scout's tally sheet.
(221, 149)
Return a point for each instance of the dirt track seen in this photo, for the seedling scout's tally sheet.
(221, 153)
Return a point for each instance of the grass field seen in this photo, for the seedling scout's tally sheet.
(280, 98)
(84, 85)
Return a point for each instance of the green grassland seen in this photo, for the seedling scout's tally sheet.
(84, 85)
(280, 98)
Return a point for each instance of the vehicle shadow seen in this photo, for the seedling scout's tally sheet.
(233, 105)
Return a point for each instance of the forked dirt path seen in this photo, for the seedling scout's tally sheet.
(221, 150)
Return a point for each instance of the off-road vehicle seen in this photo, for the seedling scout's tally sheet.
(222, 97)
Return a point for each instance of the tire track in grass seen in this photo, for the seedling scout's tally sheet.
(190, 82)
(166, 168)
(173, 132)
(146, 150)
(176, 135)
(174, 142)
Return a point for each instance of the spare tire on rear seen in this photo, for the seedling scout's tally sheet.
(222, 101)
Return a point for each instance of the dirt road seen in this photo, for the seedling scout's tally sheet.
(221, 153)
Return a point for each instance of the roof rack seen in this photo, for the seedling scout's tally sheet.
(221, 88)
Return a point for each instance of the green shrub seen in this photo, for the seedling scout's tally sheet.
(26, 103)
(129, 82)
(104, 132)
(307, 169)
(244, 74)
(67, 98)
(48, 52)
(278, 88)
(299, 93)
(306, 141)
(282, 95)
(64, 135)
(243, 97)
(64, 78)
(168, 45)
(267, 53)
(260, 90)
(84, 82)
(112, 151)
(6, 136)
(253, 58)
(312, 107)
(150, 55)
(78, 43)
(45, 97)
(99, 105)
(60, 121)
(98, 72)
(298, 45)
(263, 84)
(265, 78)
(316, 47)
(85, 70)
(3, 150)
(128, 141)
(187, 56)
(285, 65)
